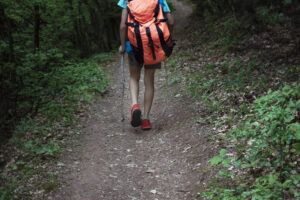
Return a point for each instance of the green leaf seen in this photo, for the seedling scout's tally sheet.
(226, 162)
(273, 178)
(295, 129)
(287, 183)
(223, 153)
(244, 166)
(216, 160)
(3, 195)
(287, 2)
(297, 147)
(295, 178)
(225, 173)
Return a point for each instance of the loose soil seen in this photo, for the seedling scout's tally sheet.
(115, 161)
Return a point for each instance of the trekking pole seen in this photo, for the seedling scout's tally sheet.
(166, 89)
(123, 87)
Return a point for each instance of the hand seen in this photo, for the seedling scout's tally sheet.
(121, 49)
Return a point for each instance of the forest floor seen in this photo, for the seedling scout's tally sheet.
(116, 161)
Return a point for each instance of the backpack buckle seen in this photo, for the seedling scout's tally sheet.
(156, 21)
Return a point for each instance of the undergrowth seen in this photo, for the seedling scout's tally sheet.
(251, 102)
(267, 148)
(37, 141)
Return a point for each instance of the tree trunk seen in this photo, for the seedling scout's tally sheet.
(36, 28)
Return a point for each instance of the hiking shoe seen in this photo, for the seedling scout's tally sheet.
(146, 125)
(136, 115)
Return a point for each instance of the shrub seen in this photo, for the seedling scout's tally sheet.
(267, 151)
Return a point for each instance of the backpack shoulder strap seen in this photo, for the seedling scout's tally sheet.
(156, 11)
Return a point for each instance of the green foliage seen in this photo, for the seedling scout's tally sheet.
(222, 159)
(216, 84)
(5, 191)
(171, 6)
(3, 195)
(37, 148)
(266, 16)
(244, 9)
(40, 39)
(67, 84)
(244, 17)
(233, 32)
(38, 138)
(45, 76)
(67, 87)
(267, 150)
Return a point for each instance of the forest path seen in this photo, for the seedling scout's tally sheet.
(117, 162)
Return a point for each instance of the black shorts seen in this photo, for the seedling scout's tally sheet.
(134, 63)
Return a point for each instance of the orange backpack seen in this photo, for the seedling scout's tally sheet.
(148, 31)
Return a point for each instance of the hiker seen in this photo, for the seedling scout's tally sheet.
(136, 64)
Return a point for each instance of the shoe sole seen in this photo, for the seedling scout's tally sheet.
(136, 118)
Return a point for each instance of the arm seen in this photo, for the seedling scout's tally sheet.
(170, 21)
(167, 11)
(123, 28)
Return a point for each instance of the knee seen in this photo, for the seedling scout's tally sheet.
(135, 77)
(149, 79)
(135, 73)
(149, 74)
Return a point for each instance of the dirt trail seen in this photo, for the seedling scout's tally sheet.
(116, 161)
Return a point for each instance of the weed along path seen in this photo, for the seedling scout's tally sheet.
(114, 161)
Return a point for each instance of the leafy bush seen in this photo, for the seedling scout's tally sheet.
(219, 86)
(244, 17)
(233, 33)
(59, 95)
(37, 39)
(267, 151)
(243, 9)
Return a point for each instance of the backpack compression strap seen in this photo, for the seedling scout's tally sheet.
(151, 42)
(137, 32)
(164, 45)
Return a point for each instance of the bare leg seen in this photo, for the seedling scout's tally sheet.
(135, 73)
(149, 91)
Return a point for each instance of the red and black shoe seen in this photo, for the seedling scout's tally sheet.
(136, 115)
(146, 125)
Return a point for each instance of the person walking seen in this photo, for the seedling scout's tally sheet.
(136, 65)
